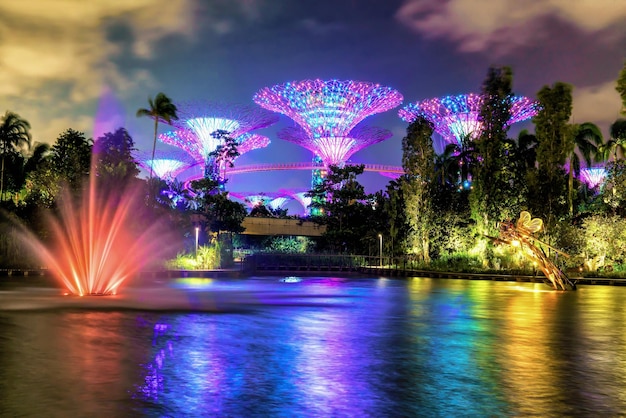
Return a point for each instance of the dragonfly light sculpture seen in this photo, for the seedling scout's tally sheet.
(520, 234)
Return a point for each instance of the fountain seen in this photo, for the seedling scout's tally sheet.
(95, 241)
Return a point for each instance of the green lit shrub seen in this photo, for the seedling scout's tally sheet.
(208, 258)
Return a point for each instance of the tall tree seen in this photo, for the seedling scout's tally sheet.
(494, 195)
(220, 216)
(345, 209)
(616, 146)
(555, 140)
(14, 133)
(447, 166)
(526, 150)
(71, 158)
(621, 88)
(418, 162)
(586, 138)
(161, 110)
(222, 157)
(114, 162)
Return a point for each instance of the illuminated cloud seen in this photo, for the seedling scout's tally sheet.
(599, 104)
(478, 25)
(55, 55)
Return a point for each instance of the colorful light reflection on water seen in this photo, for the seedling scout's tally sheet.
(359, 347)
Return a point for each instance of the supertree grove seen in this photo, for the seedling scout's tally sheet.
(166, 164)
(328, 108)
(328, 112)
(272, 200)
(188, 141)
(203, 127)
(457, 117)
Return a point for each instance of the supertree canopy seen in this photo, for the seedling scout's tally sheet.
(166, 164)
(273, 200)
(202, 127)
(593, 176)
(457, 117)
(199, 149)
(328, 108)
(335, 150)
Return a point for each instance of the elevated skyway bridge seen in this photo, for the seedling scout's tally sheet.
(252, 168)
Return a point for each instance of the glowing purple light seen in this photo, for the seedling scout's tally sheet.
(330, 108)
(166, 164)
(336, 150)
(456, 117)
(199, 149)
(279, 202)
(252, 199)
(198, 124)
(204, 118)
(594, 176)
(304, 200)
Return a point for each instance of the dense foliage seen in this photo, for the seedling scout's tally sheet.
(445, 210)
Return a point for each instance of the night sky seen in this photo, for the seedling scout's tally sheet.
(62, 62)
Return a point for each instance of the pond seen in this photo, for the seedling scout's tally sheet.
(313, 346)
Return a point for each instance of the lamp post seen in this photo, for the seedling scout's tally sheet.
(380, 253)
(197, 232)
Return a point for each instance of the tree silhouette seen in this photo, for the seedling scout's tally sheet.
(161, 110)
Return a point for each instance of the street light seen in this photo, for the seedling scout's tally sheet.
(197, 232)
(380, 258)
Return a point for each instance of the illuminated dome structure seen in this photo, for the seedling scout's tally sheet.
(593, 176)
(273, 200)
(203, 127)
(328, 112)
(303, 199)
(336, 150)
(166, 164)
(457, 117)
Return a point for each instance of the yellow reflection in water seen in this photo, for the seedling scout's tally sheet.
(526, 359)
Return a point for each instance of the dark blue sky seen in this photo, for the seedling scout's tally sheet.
(60, 64)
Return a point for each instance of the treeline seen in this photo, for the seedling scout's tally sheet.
(35, 178)
(445, 207)
(441, 211)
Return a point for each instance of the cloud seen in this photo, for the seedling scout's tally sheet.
(55, 55)
(478, 25)
(599, 104)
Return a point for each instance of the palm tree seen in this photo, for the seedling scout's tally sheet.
(161, 110)
(527, 150)
(446, 165)
(14, 132)
(587, 138)
(616, 146)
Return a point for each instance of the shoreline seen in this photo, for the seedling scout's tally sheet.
(237, 273)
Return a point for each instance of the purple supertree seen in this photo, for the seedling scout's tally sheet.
(279, 202)
(271, 199)
(328, 111)
(336, 150)
(202, 127)
(166, 164)
(593, 176)
(457, 117)
(301, 197)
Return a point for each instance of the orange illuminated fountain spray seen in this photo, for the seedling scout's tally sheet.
(95, 243)
(100, 239)
(520, 234)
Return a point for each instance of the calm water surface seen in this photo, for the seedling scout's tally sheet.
(318, 347)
